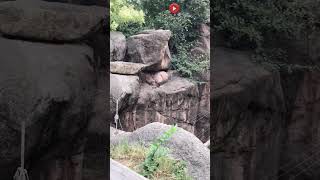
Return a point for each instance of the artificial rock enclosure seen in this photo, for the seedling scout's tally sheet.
(53, 74)
(265, 122)
(150, 95)
(53, 63)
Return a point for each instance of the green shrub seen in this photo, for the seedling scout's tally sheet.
(255, 24)
(187, 65)
(198, 9)
(123, 15)
(183, 25)
(153, 162)
(180, 25)
(156, 151)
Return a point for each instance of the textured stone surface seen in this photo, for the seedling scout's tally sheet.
(173, 102)
(118, 46)
(39, 20)
(247, 118)
(124, 88)
(126, 68)
(56, 84)
(302, 126)
(150, 47)
(155, 79)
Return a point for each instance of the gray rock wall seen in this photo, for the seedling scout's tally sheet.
(54, 83)
(265, 123)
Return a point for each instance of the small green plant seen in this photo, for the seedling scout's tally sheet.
(153, 162)
(155, 152)
(176, 169)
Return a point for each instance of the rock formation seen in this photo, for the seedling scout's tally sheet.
(247, 117)
(161, 94)
(265, 122)
(150, 47)
(52, 65)
(48, 21)
(183, 146)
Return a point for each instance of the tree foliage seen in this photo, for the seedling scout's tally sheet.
(123, 14)
(184, 24)
(253, 23)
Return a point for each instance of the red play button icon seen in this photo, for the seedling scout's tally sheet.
(174, 8)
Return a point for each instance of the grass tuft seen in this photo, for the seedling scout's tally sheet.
(134, 155)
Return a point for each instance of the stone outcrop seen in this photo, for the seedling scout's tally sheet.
(248, 110)
(60, 91)
(43, 21)
(162, 96)
(302, 137)
(126, 68)
(183, 145)
(150, 47)
(55, 87)
(265, 121)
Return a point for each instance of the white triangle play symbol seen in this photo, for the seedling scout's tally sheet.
(174, 8)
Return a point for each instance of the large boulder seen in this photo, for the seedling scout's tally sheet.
(118, 46)
(51, 87)
(123, 88)
(183, 145)
(150, 47)
(44, 21)
(126, 68)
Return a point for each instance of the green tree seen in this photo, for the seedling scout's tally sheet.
(184, 25)
(255, 23)
(123, 14)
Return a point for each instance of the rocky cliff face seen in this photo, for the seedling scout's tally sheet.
(248, 108)
(265, 123)
(302, 129)
(51, 75)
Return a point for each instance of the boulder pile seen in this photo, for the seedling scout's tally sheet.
(148, 91)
